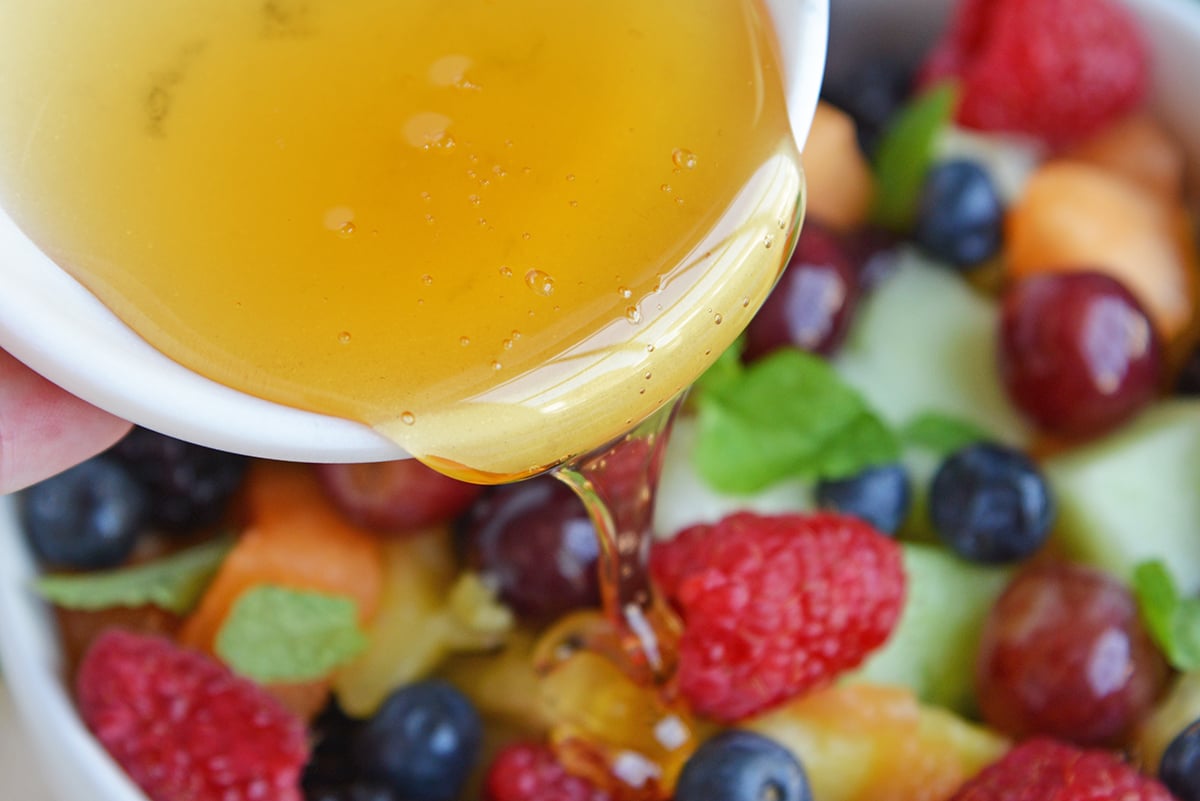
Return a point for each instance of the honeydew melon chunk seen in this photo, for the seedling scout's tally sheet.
(925, 341)
(1134, 495)
(932, 649)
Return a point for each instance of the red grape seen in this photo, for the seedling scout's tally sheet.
(1077, 353)
(536, 541)
(395, 496)
(1064, 654)
(811, 306)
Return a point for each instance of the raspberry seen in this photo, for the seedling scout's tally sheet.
(184, 727)
(1055, 69)
(524, 771)
(1047, 770)
(774, 606)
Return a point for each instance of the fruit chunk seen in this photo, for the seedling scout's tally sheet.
(1055, 69)
(184, 727)
(616, 733)
(862, 742)
(1171, 715)
(1064, 654)
(1131, 496)
(1075, 216)
(908, 362)
(932, 650)
(840, 184)
(425, 612)
(1138, 149)
(296, 539)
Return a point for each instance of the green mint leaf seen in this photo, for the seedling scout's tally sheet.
(941, 433)
(1173, 622)
(278, 634)
(173, 583)
(905, 153)
(788, 416)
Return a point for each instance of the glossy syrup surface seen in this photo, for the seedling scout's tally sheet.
(500, 232)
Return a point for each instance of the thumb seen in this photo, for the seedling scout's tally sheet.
(44, 429)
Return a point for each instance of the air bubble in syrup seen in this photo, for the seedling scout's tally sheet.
(684, 159)
(540, 282)
(408, 418)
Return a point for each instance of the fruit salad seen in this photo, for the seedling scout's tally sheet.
(929, 528)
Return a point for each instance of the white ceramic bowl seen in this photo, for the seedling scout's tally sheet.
(75, 765)
(50, 322)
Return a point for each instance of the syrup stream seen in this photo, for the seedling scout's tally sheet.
(617, 484)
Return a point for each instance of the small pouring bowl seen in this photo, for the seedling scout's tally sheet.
(53, 324)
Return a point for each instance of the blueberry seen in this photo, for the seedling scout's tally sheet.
(1179, 769)
(871, 93)
(742, 766)
(990, 503)
(878, 495)
(422, 743)
(190, 485)
(960, 215)
(87, 517)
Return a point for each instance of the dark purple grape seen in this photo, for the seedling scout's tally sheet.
(190, 485)
(395, 496)
(811, 306)
(1077, 353)
(875, 251)
(1064, 654)
(536, 542)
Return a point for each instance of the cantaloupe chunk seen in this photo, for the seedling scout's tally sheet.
(841, 186)
(1138, 149)
(295, 539)
(1076, 216)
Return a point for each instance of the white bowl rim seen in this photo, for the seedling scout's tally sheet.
(53, 324)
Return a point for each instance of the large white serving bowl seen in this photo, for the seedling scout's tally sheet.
(50, 322)
(79, 770)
